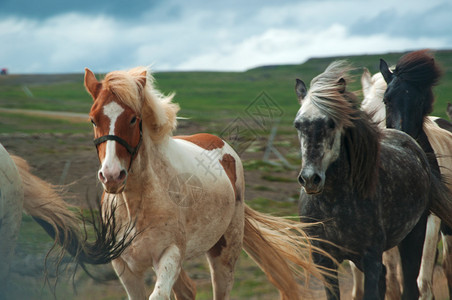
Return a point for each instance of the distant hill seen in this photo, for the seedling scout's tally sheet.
(208, 95)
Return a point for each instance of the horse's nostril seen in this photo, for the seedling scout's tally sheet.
(102, 178)
(122, 175)
(301, 180)
(316, 179)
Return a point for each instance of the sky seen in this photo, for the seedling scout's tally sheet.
(57, 36)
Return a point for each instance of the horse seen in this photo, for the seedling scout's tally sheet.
(185, 196)
(368, 186)
(11, 202)
(441, 141)
(23, 191)
(415, 74)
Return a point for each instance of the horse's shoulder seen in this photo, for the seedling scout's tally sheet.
(204, 140)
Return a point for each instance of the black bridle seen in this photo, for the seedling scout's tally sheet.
(132, 150)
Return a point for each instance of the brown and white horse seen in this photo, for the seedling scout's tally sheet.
(184, 195)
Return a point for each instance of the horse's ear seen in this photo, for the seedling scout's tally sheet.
(341, 85)
(91, 84)
(300, 89)
(366, 81)
(142, 78)
(449, 110)
(384, 69)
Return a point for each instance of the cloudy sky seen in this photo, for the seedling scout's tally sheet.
(54, 36)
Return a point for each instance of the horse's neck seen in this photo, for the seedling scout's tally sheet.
(425, 144)
(338, 173)
(150, 174)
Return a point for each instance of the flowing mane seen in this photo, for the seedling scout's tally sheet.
(420, 69)
(328, 94)
(361, 136)
(156, 110)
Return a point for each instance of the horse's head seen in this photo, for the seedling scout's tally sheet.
(117, 130)
(320, 140)
(409, 97)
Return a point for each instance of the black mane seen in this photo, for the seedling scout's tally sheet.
(419, 68)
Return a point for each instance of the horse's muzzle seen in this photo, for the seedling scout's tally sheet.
(311, 181)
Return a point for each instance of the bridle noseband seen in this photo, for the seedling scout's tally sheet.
(132, 150)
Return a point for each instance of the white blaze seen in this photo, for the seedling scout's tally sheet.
(111, 163)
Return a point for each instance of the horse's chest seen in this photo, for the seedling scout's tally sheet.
(346, 221)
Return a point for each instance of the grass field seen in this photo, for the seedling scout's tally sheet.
(211, 101)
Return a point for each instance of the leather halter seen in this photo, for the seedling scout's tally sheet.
(132, 150)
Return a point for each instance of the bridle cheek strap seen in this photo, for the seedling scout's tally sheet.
(132, 150)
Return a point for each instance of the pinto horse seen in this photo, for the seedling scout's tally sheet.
(435, 128)
(369, 186)
(408, 100)
(184, 195)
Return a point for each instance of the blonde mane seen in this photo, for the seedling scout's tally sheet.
(373, 99)
(135, 89)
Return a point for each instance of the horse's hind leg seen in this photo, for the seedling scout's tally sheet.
(391, 260)
(425, 278)
(223, 256)
(358, 282)
(184, 288)
(411, 254)
(447, 256)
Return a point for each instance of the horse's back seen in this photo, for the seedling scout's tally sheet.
(11, 202)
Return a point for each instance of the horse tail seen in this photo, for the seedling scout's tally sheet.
(283, 251)
(44, 203)
(441, 199)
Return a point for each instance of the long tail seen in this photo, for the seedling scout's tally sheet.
(43, 202)
(283, 251)
(441, 199)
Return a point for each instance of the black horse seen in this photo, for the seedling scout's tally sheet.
(409, 100)
(369, 187)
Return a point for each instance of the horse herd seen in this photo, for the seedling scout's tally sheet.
(376, 181)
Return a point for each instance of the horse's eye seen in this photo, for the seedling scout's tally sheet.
(385, 100)
(94, 123)
(133, 121)
(331, 124)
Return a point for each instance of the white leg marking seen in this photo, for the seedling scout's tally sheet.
(358, 282)
(425, 278)
(167, 270)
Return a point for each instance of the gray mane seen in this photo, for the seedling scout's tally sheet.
(327, 92)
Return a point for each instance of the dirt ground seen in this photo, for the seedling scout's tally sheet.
(71, 159)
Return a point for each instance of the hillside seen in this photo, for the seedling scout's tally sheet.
(204, 96)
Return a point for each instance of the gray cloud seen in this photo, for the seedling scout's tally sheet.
(433, 22)
(210, 35)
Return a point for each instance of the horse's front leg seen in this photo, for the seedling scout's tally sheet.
(133, 282)
(332, 290)
(425, 278)
(167, 269)
(374, 273)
